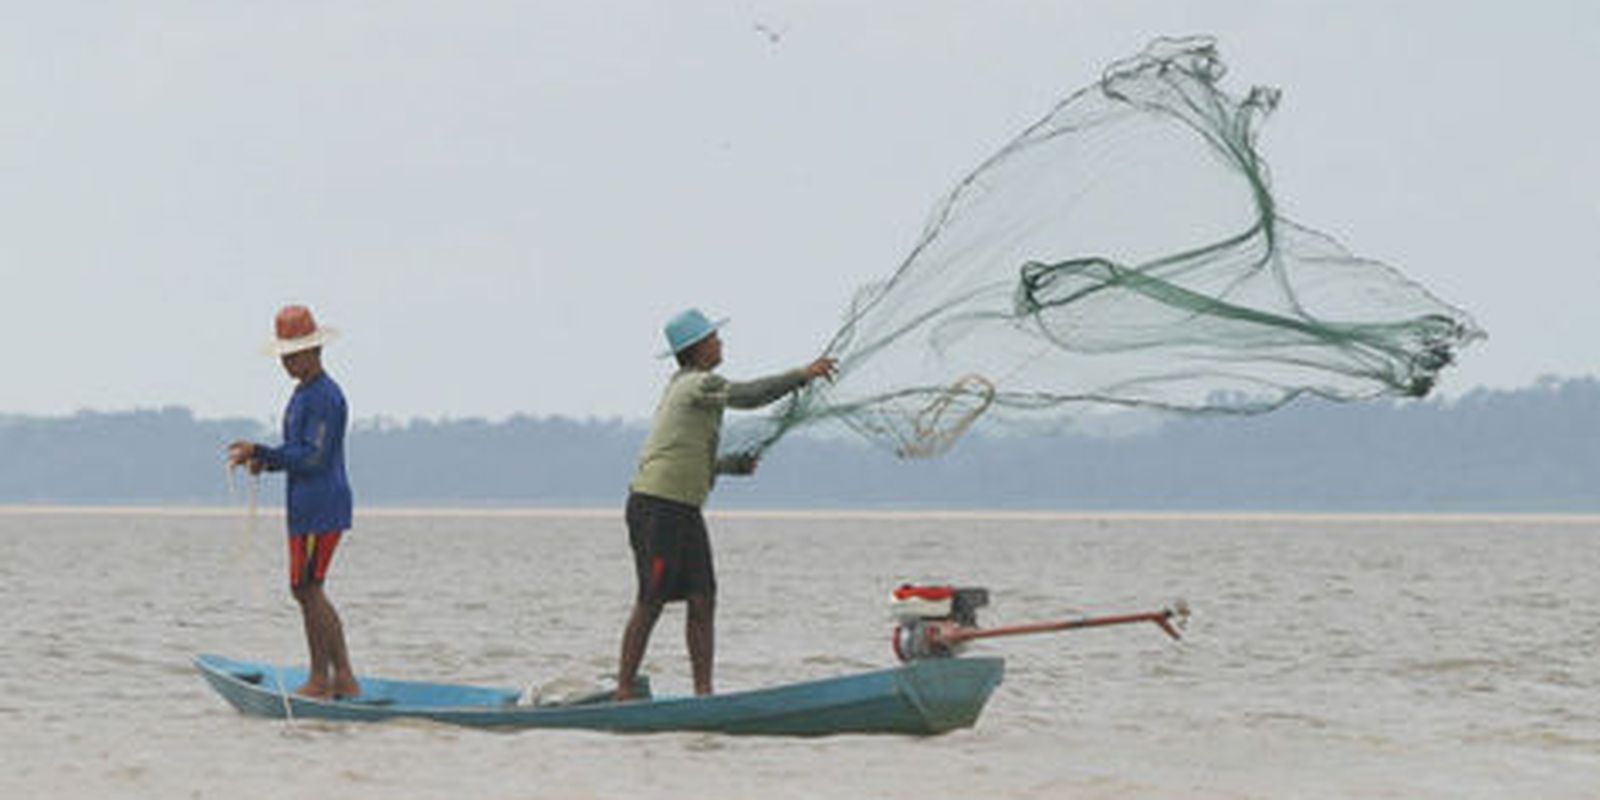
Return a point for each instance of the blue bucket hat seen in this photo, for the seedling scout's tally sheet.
(687, 328)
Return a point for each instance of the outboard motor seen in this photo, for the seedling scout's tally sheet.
(939, 621)
(924, 616)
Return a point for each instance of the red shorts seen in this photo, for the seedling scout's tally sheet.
(309, 557)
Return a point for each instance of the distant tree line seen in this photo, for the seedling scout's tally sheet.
(1530, 449)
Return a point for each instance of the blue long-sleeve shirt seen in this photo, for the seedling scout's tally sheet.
(313, 456)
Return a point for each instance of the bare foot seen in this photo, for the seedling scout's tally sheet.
(345, 688)
(314, 688)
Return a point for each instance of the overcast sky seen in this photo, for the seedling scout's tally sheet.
(499, 203)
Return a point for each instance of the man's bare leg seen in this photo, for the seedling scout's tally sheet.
(635, 638)
(338, 655)
(700, 632)
(317, 684)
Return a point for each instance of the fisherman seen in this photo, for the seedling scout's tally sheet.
(677, 467)
(319, 501)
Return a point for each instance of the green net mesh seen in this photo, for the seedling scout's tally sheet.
(1126, 251)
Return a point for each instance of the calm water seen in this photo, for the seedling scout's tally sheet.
(1337, 658)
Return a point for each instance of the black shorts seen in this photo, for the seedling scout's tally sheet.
(671, 551)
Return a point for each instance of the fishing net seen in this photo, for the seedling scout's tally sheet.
(1123, 251)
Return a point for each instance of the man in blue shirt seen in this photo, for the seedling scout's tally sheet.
(312, 455)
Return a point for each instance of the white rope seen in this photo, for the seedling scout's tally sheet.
(253, 491)
(938, 425)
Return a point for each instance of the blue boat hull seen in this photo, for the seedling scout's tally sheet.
(921, 698)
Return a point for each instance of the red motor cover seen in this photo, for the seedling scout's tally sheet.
(907, 591)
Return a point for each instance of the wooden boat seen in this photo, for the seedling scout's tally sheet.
(922, 697)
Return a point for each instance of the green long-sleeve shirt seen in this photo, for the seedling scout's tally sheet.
(679, 458)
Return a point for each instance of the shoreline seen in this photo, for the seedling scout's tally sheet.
(841, 514)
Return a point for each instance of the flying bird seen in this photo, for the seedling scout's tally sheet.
(771, 35)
